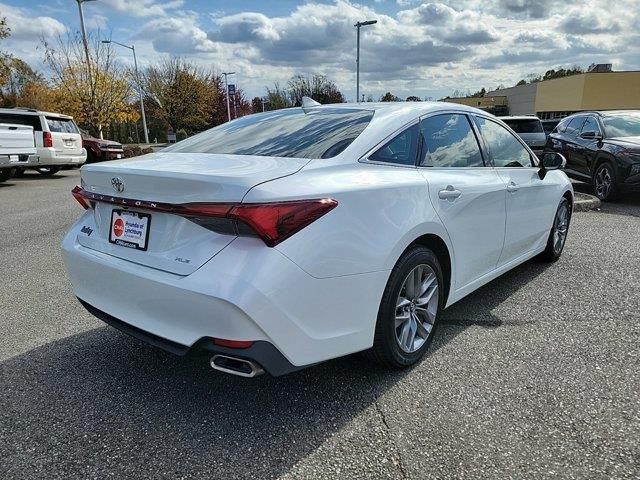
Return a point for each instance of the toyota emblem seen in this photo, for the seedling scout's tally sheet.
(118, 184)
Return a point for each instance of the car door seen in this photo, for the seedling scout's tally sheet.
(586, 155)
(529, 214)
(572, 148)
(468, 196)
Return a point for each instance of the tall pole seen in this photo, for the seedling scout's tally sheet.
(144, 118)
(226, 88)
(140, 92)
(86, 49)
(358, 25)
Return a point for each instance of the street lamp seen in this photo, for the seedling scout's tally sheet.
(84, 32)
(135, 63)
(358, 25)
(226, 87)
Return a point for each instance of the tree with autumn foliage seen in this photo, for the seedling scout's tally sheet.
(96, 95)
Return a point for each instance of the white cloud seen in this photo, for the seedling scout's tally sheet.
(140, 8)
(26, 26)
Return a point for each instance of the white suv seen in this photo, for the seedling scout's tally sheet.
(57, 138)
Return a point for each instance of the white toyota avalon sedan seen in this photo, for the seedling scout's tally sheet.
(286, 238)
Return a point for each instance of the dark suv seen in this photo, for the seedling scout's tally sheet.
(602, 148)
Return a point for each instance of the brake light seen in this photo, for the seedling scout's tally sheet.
(47, 139)
(78, 194)
(272, 222)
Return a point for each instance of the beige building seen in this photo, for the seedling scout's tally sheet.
(560, 97)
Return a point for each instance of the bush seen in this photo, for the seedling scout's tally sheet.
(132, 151)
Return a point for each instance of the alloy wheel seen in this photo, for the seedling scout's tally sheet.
(416, 308)
(603, 182)
(561, 228)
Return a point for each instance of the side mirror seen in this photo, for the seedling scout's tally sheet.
(551, 161)
(591, 135)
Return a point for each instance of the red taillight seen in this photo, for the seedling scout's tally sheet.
(78, 194)
(47, 139)
(232, 343)
(275, 222)
(272, 222)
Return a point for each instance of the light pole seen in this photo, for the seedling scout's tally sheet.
(86, 49)
(264, 102)
(226, 87)
(358, 25)
(135, 64)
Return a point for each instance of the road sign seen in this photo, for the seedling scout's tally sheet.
(232, 89)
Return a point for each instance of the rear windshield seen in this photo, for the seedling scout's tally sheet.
(525, 126)
(622, 125)
(29, 120)
(61, 125)
(318, 133)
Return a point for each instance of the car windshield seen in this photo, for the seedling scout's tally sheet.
(61, 125)
(525, 126)
(622, 125)
(318, 133)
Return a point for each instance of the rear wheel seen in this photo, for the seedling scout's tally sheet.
(19, 173)
(558, 234)
(5, 174)
(604, 182)
(48, 171)
(409, 309)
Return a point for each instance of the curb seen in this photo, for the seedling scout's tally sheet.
(584, 202)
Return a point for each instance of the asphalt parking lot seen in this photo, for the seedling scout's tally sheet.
(536, 375)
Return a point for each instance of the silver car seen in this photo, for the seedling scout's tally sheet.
(529, 129)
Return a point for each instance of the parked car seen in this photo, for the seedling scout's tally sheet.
(17, 149)
(99, 150)
(57, 138)
(602, 148)
(286, 238)
(530, 129)
(549, 125)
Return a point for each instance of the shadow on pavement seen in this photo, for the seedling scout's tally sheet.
(99, 403)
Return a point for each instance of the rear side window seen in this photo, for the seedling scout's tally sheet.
(525, 126)
(316, 133)
(61, 125)
(401, 149)
(574, 126)
(29, 120)
(449, 141)
(506, 150)
(590, 125)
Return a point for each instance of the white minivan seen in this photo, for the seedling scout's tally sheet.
(57, 138)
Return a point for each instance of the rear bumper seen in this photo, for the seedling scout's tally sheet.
(246, 292)
(262, 353)
(49, 157)
(19, 161)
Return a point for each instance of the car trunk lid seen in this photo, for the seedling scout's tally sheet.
(175, 243)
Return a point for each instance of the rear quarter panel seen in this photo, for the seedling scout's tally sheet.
(381, 210)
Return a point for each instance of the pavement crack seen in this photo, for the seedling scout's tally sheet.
(390, 434)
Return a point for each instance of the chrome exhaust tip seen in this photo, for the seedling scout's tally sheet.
(236, 366)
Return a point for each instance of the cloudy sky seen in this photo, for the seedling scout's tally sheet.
(417, 48)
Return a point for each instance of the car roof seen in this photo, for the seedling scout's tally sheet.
(520, 117)
(34, 112)
(605, 113)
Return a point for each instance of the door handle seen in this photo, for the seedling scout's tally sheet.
(512, 187)
(449, 193)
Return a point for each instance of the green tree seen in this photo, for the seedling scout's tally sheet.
(413, 98)
(389, 97)
(316, 86)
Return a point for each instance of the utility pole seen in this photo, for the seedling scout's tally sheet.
(263, 103)
(226, 87)
(140, 93)
(86, 48)
(358, 25)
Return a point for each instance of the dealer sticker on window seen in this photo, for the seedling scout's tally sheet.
(130, 229)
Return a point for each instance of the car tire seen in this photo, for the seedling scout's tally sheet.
(5, 174)
(407, 317)
(558, 235)
(48, 171)
(19, 173)
(604, 182)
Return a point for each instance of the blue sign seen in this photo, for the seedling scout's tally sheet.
(232, 89)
